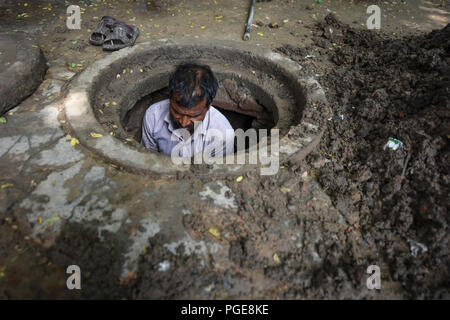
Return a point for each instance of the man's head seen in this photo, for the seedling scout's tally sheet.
(192, 88)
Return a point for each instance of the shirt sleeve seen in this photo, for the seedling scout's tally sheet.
(148, 139)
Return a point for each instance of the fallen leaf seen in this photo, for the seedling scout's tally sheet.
(276, 258)
(7, 185)
(39, 220)
(96, 135)
(74, 142)
(2, 120)
(215, 232)
(239, 179)
(285, 190)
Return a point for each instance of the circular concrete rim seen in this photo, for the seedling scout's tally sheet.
(82, 121)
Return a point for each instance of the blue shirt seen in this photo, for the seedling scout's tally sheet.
(158, 128)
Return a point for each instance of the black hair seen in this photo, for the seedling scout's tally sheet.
(191, 83)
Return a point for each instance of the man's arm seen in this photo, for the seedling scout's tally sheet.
(148, 125)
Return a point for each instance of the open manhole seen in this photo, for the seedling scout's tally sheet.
(257, 89)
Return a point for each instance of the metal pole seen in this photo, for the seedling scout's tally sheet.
(249, 22)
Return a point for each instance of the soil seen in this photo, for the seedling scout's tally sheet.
(389, 88)
(309, 232)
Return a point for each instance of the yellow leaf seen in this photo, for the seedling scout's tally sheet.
(285, 190)
(239, 179)
(276, 258)
(214, 232)
(96, 135)
(260, 34)
(74, 142)
(107, 104)
(203, 27)
(7, 185)
(39, 220)
(114, 103)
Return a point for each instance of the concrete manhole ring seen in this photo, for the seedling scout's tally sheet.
(101, 96)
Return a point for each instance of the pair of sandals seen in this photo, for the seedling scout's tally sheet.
(113, 34)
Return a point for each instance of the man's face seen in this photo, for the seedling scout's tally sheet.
(185, 117)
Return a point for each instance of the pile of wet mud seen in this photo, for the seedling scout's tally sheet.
(381, 88)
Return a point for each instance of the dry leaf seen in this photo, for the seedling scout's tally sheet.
(215, 232)
(96, 135)
(74, 142)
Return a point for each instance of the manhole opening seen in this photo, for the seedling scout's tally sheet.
(254, 91)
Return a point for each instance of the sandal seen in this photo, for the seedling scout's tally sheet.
(122, 36)
(103, 29)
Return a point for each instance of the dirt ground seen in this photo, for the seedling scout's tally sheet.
(350, 204)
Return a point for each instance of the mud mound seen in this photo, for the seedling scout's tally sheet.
(397, 88)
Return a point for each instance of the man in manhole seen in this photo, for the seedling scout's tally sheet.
(187, 121)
